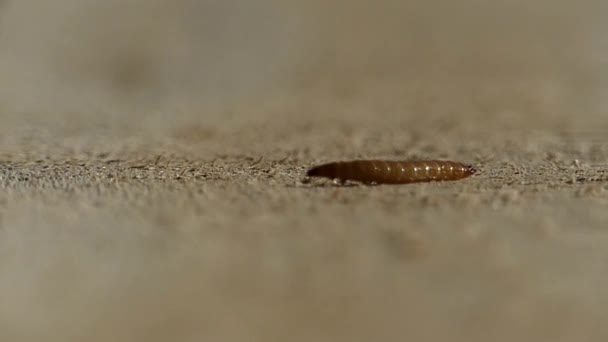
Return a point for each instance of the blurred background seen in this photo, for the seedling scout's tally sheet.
(165, 62)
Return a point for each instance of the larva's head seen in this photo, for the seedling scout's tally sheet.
(469, 170)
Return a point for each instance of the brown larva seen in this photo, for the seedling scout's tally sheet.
(393, 172)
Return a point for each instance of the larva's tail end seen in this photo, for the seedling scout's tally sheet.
(314, 172)
(323, 170)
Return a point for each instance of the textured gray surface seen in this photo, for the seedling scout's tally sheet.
(168, 203)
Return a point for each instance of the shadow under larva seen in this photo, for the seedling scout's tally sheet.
(393, 172)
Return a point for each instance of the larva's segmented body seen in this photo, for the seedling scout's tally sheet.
(393, 172)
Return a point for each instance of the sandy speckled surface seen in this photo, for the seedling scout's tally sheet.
(152, 171)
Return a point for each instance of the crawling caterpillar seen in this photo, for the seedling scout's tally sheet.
(393, 172)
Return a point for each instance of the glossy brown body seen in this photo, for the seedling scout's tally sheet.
(393, 172)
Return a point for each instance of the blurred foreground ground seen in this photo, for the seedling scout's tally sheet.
(152, 156)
